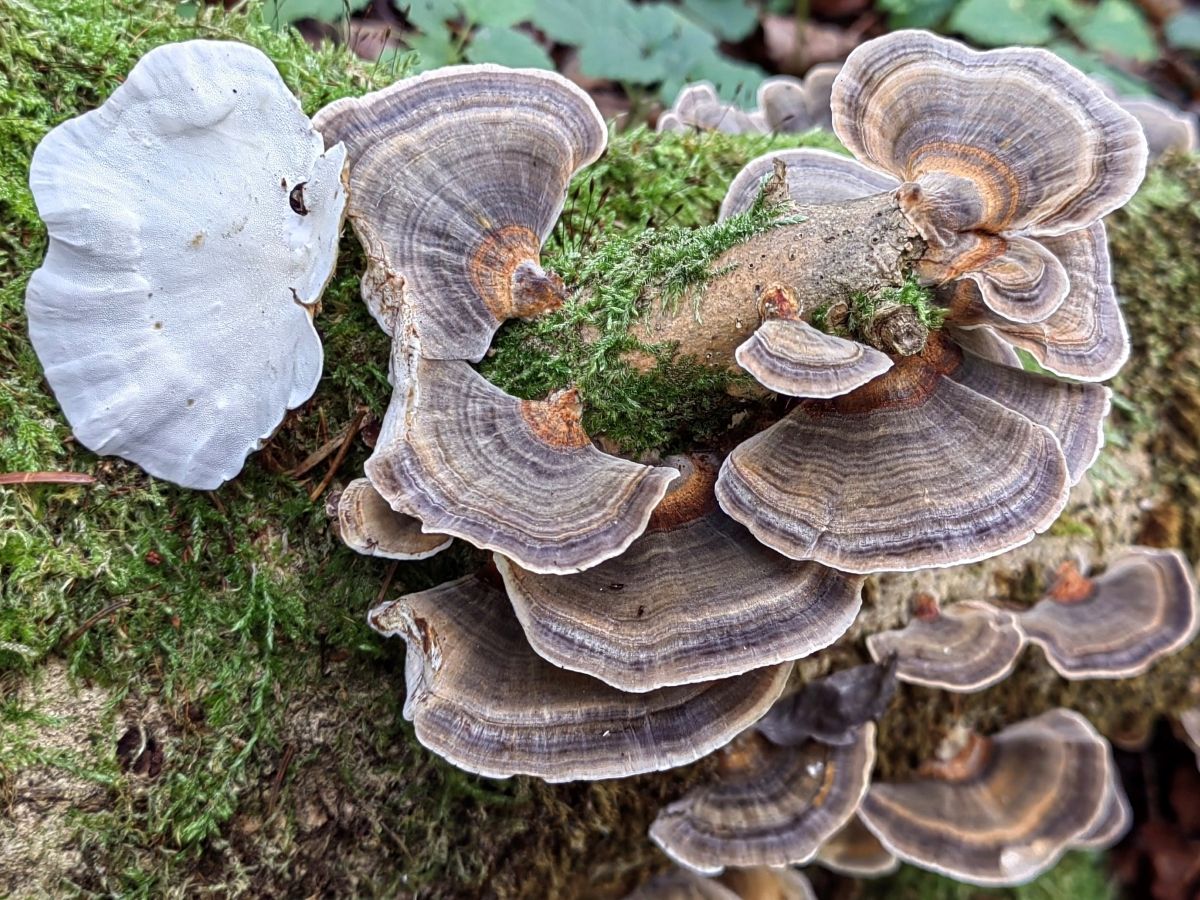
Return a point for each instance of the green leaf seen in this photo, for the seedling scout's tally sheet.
(736, 82)
(496, 13)
(1117, 26)
(435, 49)
(916, 13)
(1183, 30)
(508, 48)
(996, 23)
(431, 15)
(578, 22)
(284, 12)
(730, 20)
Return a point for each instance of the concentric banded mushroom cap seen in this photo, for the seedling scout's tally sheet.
(774, 806)
(516, 476)
(790, 105)
(1118, 624)
(193, 222)
(481, 698)
(964, 647)
(855, 852)
(831, 709)
(814, 178)
(789, 356)
(368, 525)
(456, 178)
(696, 597)
(1005, 809)
(1085, 338)
(912, 471)
(998, 141)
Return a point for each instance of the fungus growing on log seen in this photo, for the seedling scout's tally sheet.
(368, 525)
(436, 201)
(1118, 624)
(193, 222)
(964, 647)
(480, 697)
(770, 805)
(1000, 810)
(693, 599)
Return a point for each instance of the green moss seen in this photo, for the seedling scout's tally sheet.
(1079, 876)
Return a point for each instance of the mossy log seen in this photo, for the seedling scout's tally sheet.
(225, 632)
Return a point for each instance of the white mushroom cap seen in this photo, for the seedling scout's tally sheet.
(193, 220)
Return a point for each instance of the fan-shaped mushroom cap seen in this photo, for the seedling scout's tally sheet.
(791, 357)
(517, 476)
(193, 221)
(1118, 624)
(984, 342)
(368, 525)
(912, 471)
(456, 178)
(694, 598)
(1005, 809)
(480, 697)
(831, 709)
(855, 852)
(680, 884)
(774, 806)
(698, 106)
(965, 647)
(1114, 821)
(1073, 412)
(1166, 128)
(1085, 338)
(814, 178)
(998, 141)
(791, 106)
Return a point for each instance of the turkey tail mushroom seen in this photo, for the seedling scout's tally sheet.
(813, 177)
(367, 524)
(456, 178)
(988, 145)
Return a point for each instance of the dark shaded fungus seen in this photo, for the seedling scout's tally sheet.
(480, 697)
(770, 806)
(1117, 624)
(832, 708)
(1069, 157)
(435, 201)
(967, 646)
(815, 177)
(516, 476)
(789, 105)
(368, 525)
(855, 852)
(694, 598)
(1086, 337)
(1003, 809)
(850, 482)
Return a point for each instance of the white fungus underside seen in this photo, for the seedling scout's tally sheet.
(170, 311)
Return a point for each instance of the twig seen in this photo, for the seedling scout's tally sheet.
(289, 751)
(92, 620)
(47, 478)
(318, 455)
(343, 451)
(387, 582)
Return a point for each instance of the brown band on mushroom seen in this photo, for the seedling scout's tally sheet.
(831, 709)
(505, 474)
(1073, 412)
(964, 647)
(456, 178)
(814, 178)
(480, 697)
(911, 471)
(791, 357)
(776, 811)
(1012, 812)
(368, 525)
(1071, 585)
(696, 597)
(855, 852)
(1086, 337)
(1003, 140)
(1141, 609)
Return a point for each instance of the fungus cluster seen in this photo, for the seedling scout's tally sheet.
(639, 614)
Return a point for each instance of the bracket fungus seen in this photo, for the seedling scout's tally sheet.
(964, 647)
(193, 222)
(698, 106)
(1118, 624)
(1000, 810)
(855, 852)
(456, 178)
(693, 599)
(790, 105)
(480, 697)
(770, 806)
(368, 525)
(832, 708)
